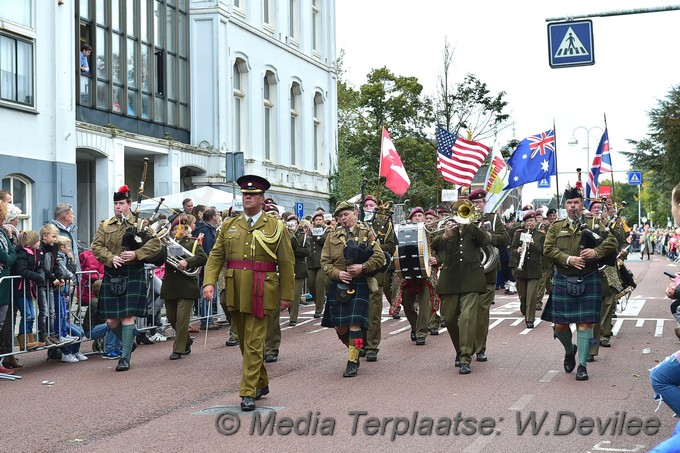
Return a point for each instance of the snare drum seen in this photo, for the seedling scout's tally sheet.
(412, 257)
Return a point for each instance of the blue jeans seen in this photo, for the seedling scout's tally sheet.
(111, 341)
(665, 379)
(76, 331)
(45, 312)
(27, 315)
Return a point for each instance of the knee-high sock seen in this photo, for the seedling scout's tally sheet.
(344, 338)
(118, 331)
(356, 342)
(128, 338)
(583, 341)
(565, 339)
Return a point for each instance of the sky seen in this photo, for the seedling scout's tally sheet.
(506, 46)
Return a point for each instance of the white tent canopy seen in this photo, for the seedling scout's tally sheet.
(208, 196)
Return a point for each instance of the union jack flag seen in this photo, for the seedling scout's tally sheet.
(545, 141)
(602, 163)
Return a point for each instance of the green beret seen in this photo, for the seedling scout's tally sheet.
(342, 206)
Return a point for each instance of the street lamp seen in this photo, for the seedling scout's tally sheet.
(574, 140)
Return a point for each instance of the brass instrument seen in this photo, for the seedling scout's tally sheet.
(177, 253)
(464, 212)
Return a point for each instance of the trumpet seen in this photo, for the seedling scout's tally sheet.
(464, 212)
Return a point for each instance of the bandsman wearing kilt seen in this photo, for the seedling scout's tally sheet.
(461, 281)
(123, 294)
(347, 300)
(493, 223)
(251, 246)
(179, 289)
(529, 276)
(576, 289)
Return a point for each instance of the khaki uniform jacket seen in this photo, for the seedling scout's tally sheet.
(533, 260)
(332, 259)
(237, 242)
(563, 240)
(546, 264)
(302, 248)
(314, 260)
(176, 284)
(461, 270)
(108, 240)
(499, 239)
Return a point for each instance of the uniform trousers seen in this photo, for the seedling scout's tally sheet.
(527, 289)
(273, 330)
(297, 297)
(484, 308)
(605, 324)
(419, 318)
(460, 313)
(542, 285)
(179, 314)
(316, 283)
(251, 333)
(375, 307)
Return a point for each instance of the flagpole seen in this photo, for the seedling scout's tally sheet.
(557, 181)
(377, 194)
(612, 162)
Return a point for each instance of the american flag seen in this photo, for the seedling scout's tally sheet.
(602, 163)
(458, 160)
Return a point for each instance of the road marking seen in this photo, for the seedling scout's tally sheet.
(549, 376)
(521, 403)
(633, 308)
(495, 323)
(479, 444)
(659, 328)
(403, 329)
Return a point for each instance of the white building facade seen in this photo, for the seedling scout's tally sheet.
(205, 90)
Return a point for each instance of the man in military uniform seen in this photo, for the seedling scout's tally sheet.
(316, 278)
(385, 237)
(576, 290)
(609, 278)
(529, 274)
(546, 264)
(350, 253)
(123, 294)
(493, 223)
(251, 246)
(461, 281)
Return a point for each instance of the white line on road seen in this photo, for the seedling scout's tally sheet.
(521, 403)
(659, 328)
(549, 376)
(479, 444)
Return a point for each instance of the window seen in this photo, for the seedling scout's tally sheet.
(16, 70)
(268, 14)
(294, 20)
(20, 188)
(318, 129)
(240, 88)
(295, 94)
(316, 26)
(269, 115)
(21, 13)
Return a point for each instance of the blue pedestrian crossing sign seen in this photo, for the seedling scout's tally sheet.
(299, 209)
(635, 178)
(571, 44)
(544, 183)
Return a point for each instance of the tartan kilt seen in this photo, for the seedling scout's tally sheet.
(133, 302)
(562, 308)
(355, 311)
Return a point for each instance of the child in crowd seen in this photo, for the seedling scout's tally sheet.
(53, 280)
(63, 327)
(29, 265)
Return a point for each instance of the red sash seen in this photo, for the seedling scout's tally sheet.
(259, 268)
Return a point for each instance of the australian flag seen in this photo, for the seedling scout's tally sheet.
(533, 160)
(602, 163)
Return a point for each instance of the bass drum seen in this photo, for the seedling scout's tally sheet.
(412, 257)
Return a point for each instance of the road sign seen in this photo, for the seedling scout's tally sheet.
(299, 209)
(634, 178)
(571, 44)
(544, 183)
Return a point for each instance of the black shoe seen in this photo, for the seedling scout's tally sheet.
(420, 341)
(433, 331)
(292, 323)
(362, 352)
(539, 308)
(123, 364)
(396, 316)
(143, 339)
(481, 357)
(605, 343)
(231, 342)
(590, 358)
(187, 350)
(351, 370)
(464, 368)
(259, 393)
(371, 356)
(413, 335)
(247, 403)
(442, 323)
(175, 356)
(570, 360)
(269, 358)
(317, 315)
(530, 325)
(614, 316)
(582, 373)
(457, 362)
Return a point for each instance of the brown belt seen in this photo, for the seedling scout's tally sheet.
(259, 268)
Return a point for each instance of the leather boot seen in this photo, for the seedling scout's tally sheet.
(33, 343)
(27, 343)
(11, 362)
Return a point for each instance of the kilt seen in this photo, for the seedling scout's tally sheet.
(133, 302)
(562, 308)
(353, 312)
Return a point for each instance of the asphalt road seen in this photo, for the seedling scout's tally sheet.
(411, 399)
